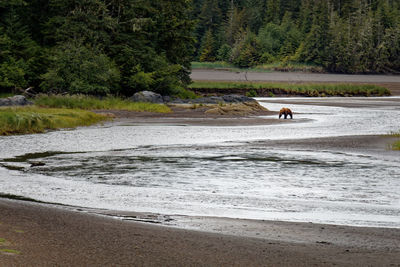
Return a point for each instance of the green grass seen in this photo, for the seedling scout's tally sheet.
(395, 145)
(2, 241)
(296, 89)
(4, 95)
(25, 120)
(289, 67)
(12, 251)
(213, 65)
(93, 103)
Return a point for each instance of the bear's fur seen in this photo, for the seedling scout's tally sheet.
(285, 112)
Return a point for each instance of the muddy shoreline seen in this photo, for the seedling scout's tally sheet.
(40, 235)
(186, 115)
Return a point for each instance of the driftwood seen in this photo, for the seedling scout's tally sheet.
(29, 92)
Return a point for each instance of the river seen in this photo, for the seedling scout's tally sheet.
(234, 172)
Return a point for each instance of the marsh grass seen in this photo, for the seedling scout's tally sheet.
(25, 120)
(289, 67)
(305, 89)
(10, 251)
(93, 103)
(395, 145)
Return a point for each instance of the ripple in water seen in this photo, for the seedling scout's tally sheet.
(253, 181)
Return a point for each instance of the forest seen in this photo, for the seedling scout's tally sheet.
(346, 36)
(119, 47)
(96, 47)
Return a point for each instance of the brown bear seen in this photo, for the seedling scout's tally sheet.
(285, 112)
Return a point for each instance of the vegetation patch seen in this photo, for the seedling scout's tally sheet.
(5, 95)
(10, 251)
(270, 89)
(91, 103)
(237, 109)
(25, 120)
(214, 65)
(395, 145)
(2, 241)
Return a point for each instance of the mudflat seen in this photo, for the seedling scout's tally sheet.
(41, 235)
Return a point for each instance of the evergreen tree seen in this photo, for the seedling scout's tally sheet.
(315, 44)
(207, 47)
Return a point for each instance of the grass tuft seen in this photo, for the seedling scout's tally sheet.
(25, 120)
(92, 103)
(395, 145)
(306, 89)
(11, 251)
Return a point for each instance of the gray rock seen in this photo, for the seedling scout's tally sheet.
(18, 100)
(147, 96)
(222, 99)
(208, 100)
(237, 99)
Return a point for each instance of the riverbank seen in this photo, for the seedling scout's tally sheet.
(41, 235)
(392, 82)
(200, 115)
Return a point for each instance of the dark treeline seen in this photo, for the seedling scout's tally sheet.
(95, 46)
(123, 46)
(350, 36)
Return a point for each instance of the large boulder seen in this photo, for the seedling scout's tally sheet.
(147, 96)
(18, 100)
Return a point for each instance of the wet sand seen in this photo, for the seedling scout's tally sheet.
(184, 115)
(51, 236)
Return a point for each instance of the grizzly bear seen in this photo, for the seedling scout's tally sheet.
(285, 112)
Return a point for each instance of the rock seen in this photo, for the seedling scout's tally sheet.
(208, 100)
(37, 164)
(237, 99)
(147, 96)
(18, 100)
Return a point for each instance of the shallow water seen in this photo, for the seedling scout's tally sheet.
(216, 171)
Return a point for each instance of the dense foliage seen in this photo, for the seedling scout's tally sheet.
(350, 36)
(119, 47)
(95, 46)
